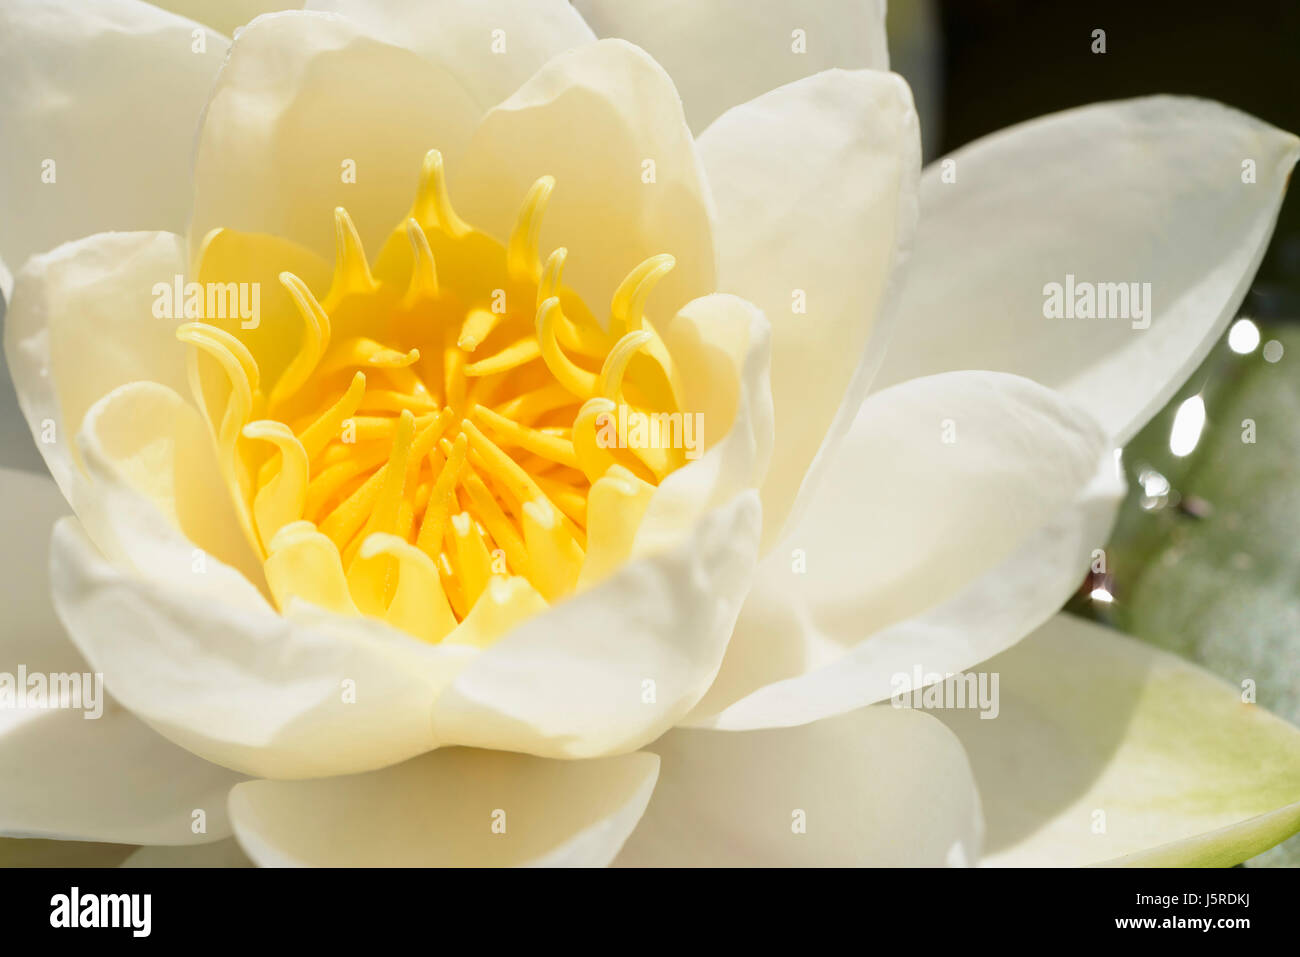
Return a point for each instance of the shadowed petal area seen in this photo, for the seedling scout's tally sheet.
(451, 808)
(877, 787)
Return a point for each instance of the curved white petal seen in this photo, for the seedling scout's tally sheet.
(1150, 190)
(97, 290)
(492, 46)
(605, 121)
(725, 52)
(68, 773)
(816, 192)
(109, 92)
(1107, 750)
(877, 787)
(921, 552)
(303, 695)
(225, 853)
(457, 808)
(612, 668)
(310, 113)
(225, 16)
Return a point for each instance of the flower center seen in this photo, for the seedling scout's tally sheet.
(442, 452)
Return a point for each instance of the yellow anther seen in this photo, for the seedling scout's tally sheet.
(432, 202)
(390, 400)
(549, 447)
(552, 273)
(429, 540)
(453, 375)
(628, 305)
(281, 500)
(351, 270)
(329, 424)
(554, 555)
(478, 325)
(369, 579)
(577, 380)
(224, 347)
(470, 556)
(316, 337)
(527, 406)
(419, 606)
(590, 437)
(518, 353)
(424, 271)
(615, 507)
(495, 521)
(522, 251)
(505, 603)
(361, 351)
(610, 383)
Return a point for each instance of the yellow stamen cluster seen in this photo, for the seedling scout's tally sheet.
(429, 453)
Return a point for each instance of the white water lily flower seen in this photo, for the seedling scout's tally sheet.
(366, 586)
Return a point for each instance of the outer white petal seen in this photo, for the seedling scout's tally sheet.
(300, 97)
(67, 775)
(725, 52)
(816, 191)
(225, 16)
(878, 787)
(1107, 750)
(110, 92)
(611, 669)
(603, 120)
(80, 323)
(302, 695)
(918, 553)
(457, 807)
(1147, 191)
(492, 46)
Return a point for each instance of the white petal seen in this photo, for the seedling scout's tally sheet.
(240, 684)
(110, 92)
(1109, 750)
(301, 96)
(612, 668)
(455, 808)
(67, 774)
(725, 52)
(919, 553)
(1141, 191)
(878, 787)
(225, 16)
(95, 290)
(225, 853)
(492, 46)
(106, 779)
(602, 119)
(816, 192)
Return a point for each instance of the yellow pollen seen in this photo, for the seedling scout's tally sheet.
(432, 451)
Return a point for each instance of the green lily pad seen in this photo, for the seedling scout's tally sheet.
(1210, 567)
